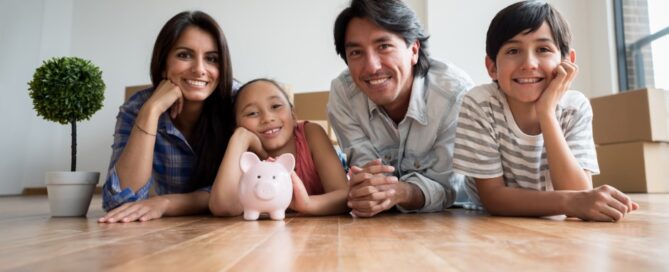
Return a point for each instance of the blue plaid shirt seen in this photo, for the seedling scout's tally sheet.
(173, 158)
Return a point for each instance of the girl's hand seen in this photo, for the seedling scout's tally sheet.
(144, 210)
(252, 141)
(564, 74)
(603, 203)
(300, 202)
(167, 96)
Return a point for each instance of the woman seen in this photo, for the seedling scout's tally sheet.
(170, 139)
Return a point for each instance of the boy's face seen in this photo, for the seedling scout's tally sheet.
(525, 64)
(263, 109)
(380, 62)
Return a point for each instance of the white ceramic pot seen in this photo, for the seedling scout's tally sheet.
(70, 193)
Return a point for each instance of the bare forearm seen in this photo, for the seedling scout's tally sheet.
(521, 202)
(329, 203)
(566, 173)
(186, 204)
(224, 199)
(135, 163)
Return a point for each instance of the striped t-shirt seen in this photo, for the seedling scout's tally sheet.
(489, 143)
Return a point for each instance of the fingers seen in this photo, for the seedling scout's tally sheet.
(370, 193)
(379, 169)
(367, 179)
(373, 167)
(121, 214)
(129, 212)
(635, 206)
(300, 201)
(298, 186)
(610, 214)
(177, 107)
(372, 163)
(623, 199)
(373, 208)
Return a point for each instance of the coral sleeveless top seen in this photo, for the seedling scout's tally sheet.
(304, 163)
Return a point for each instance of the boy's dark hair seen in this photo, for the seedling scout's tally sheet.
(392, 15)
(526, 17)
(214, 128)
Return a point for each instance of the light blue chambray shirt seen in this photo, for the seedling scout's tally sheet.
(420, 147)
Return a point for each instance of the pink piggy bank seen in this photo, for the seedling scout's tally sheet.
(266, 186)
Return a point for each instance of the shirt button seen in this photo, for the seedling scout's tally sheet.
(416, 164)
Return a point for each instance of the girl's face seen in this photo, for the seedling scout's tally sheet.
(192, 64)
(264, 110)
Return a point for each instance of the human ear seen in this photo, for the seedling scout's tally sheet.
(572, 55)
(415, 49)
(491, 66)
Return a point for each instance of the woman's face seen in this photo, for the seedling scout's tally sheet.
(193, 64)
(264, 110)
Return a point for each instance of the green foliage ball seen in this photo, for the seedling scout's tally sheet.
(67, 89)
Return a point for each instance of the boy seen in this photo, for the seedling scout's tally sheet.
(524, 141)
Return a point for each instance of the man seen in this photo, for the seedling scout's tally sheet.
(394, 111)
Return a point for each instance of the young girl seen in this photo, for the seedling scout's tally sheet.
(267, 126)
(170, 139)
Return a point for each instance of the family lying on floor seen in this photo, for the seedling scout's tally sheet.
(417, 135)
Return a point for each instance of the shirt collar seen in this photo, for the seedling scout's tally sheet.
(417, 107)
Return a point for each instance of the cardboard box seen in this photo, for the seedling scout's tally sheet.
(641, 115)
(130, 90)
(312, 106)
(636, 167)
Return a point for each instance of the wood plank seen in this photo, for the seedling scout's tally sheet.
(454, 240)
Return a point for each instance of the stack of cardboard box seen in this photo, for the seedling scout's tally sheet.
(312, 107)
(631, 131)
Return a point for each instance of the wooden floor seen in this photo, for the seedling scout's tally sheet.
(456, 240)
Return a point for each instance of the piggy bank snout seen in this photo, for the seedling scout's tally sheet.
(265, 190)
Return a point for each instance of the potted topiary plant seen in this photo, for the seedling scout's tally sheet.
(67, 90)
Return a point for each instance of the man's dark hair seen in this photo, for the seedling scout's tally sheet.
(392, 15)
(526, 17)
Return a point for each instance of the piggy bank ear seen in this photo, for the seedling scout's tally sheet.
(287, 160)
(249, 159)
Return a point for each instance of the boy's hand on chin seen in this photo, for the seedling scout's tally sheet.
(564, 74)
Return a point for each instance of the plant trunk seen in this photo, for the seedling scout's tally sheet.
(73, 164)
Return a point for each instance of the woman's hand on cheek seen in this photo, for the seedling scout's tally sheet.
(300, 202)
(167, 96)
(563, 75)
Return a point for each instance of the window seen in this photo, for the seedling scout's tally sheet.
(642, 38)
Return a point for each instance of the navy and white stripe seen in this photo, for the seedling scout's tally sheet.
(490, 144)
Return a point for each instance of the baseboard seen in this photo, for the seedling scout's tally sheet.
(28, 191)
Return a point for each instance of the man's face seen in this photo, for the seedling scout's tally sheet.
(380, 62)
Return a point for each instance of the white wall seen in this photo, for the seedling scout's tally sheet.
(19, 52)
(458, 30)
(289, 40)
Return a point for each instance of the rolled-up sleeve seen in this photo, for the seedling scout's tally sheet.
(112, 193)
(113, 196)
